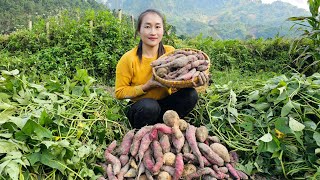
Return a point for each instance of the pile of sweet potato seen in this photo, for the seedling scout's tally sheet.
(181, 65)
(174, 150)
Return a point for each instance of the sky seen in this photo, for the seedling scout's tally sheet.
(299, 3)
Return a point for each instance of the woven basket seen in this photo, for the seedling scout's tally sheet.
(180, 84)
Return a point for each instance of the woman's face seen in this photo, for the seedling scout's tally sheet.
(151, 30)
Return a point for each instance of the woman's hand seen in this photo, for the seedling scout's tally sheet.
(152, 83)
(203, 79)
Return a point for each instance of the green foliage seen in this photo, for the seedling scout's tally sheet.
(273, 126)
(307, 45)
(55, 129)
(15, 14)
(72, 44)
(248, 56)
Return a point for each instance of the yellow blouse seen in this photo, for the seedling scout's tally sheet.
(131, 74)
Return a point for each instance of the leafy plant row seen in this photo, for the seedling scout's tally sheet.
(275, 127)
(72, 43)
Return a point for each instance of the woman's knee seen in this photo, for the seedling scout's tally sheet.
(191, 95)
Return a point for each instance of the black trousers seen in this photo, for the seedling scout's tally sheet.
(149, 111)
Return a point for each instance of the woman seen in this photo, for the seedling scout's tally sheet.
(134, 80)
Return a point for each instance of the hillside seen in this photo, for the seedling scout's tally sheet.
(226, 19)
(15, 14)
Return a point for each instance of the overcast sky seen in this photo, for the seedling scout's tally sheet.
(299, 3)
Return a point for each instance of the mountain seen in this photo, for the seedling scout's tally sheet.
(15, 14)
(221, 19)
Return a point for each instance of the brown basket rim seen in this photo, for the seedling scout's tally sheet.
(179, 84)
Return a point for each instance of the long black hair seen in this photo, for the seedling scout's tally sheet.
(161, 49)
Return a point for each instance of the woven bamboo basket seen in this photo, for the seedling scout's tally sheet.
(185, 83)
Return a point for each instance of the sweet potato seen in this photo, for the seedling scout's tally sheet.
(183, 125)
(145, 143)
(210, 154)
(149, 175)
(169, 158)
(112, 146)
(123, 171)
(186, 76)
(214, 139)
(208, 177)
(141, 170)
(186, 148)
(158, 155)
(191, 158)
(232, 171)
(179, 62)
(148, 160)
(170, 118)
(163, 175)
(137, 138)
(202, 133)
(133, 163)
(221, 150)
(110, 173)
(202, 67)
(143, 177)
(126, 142)
(191, 138)
(179, 165)
(124, 159)
(242, 175)
(202, 172)
(168, 169)
(220, 174)
(176, 131)
(161, 128)
(116, 164)
(178, 142)
(162, 72)
(131, 173)
(188, 169)
(165, 143)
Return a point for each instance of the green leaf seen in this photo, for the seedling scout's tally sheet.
(282, 125)
(233, 111)
(10, 73)
(261, 106)
(34, 157)
(266, 138)
(38, 87)
(44, 118)
(253, 96)
(286, 109)
(233, 97)
(316, 137)
(7, 146)
(271, 147)
(310, 124)
(317, 151)
(32, 127)
(295, 125)
(48, 159)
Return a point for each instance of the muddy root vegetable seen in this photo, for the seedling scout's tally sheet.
(191, 138)
(186, 76)
(145, 143)
(124, 159)
(214, 139)
(149, 175)
(183, 125)
(163, 175)
(202, 133)
(186, 148)
(133, 163)
(202, 172)
(169, 158)
(179, 165)
(193, 159)
(168, 169)
(116, 164)
(131, 173)
(141, 170)
(210, 154)
(112, 146)
(148, 160)
(165, 143)
(158, 155)
(242, 175)
(178, 142)
(221, 150)
(189, 169)
(110, 173)
(162, 72)
(159, 127)
(137, 139)
(171, 118)
(232, 171)
(126, 142)
(123, 171)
